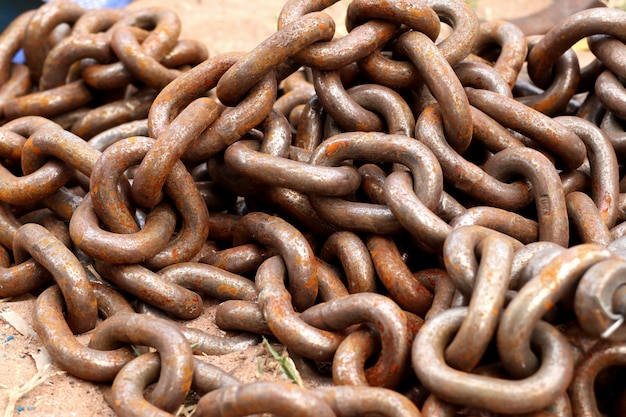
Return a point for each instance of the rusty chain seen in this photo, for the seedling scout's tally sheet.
(405, 208)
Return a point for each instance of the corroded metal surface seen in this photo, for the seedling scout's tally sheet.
(426, 223)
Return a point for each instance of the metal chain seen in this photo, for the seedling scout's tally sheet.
(409, 210)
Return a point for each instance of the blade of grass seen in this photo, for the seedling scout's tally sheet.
(287, 366)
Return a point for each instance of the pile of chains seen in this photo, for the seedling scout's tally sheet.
(428, 210)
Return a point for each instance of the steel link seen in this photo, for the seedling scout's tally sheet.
(40, 26)
(533, 301)
(185, 54)
(227, 128)
(281, 399)
(188, 87)
(179, 186)
(59, 61)
(122, 248)
(481, 75)
(127, 398)
(585, 217)
(456, 47)
(275, 50)
(610, 92)
(241, 259)
(126, 45)
(245, 159)
(498, 395)
(20, 278)
(553, 100)
(434, 406)
(355, 259)
(49, 103)
(242, 315)
(347, 401)
(175, 378)
(370, 27)
(598, 302)
(18, 84)
(63, 145)
(169, 147)
(209, 280)
(294, 249)
(275, 302)
(153, 289)
(509, 223)
(110, 207)
(545, 131)
(444, 86)
(603, 165)
(160, 41)
(351, 356)
(549, 197)
(406, 290)
(59, 341)
(37, 182)
(602, 356)
(27, 275)
(11, 41)
(463, 174)
(487, 300)
(389, 195)
(133, 107)
(430, 230)
(384, 315)
(341, 106)
(36, 241)
(425, 169)
(513, 47)
(608, 51)
(566, 33)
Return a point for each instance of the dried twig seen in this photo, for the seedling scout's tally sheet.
(17, 392)
(186, 410)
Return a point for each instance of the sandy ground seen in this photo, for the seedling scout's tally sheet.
(233, 25)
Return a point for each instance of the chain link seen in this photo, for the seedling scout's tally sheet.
(408, 210)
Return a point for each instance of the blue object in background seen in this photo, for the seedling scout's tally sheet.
(12, 9)
(9, 10)
(101, 4)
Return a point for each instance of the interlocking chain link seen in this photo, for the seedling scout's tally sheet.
(406, 208)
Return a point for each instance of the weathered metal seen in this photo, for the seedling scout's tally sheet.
(386, 197)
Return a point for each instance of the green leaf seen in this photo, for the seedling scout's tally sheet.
(287, 366)
(259, 367)
(290, 370)
(136, 351)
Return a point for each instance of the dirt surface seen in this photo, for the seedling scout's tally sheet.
(233, 25)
